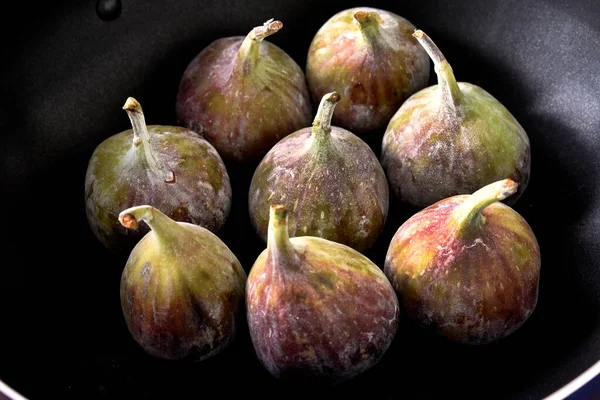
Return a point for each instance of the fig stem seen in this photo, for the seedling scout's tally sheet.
(249, 51)
(322, 123)
(278, 240)
(267, 29)
(141, 139)
(138, 121)
(451, 94)
(368, 24)
(467, 215)
(162, 225)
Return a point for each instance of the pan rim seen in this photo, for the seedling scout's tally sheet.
(580, 381)
(577, 383)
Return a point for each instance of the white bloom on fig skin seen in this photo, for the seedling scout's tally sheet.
(317, 310)
(369, 56)
(182, 289)
(331, 180)
(169, 167)
(467, 267)
(244, 94)
(452, 138)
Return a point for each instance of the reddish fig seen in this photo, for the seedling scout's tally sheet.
(170, 167)
(452, 138)
(370, 57)
(329, 178)
(182, 290)
(318, 311)
(244, 94)
(467, 267)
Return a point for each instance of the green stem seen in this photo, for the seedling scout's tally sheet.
(138, 122)
(321, 127)
(368, 24)
(164, 227)
(467, 216)
(278, 240)
(141, 139)
(451, 94)
(249, 52)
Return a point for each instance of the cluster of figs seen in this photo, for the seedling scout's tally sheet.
(465, 266)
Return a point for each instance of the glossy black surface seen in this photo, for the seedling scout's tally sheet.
(108, 10)
(65, 76)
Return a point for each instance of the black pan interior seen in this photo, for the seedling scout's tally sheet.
(66, 74)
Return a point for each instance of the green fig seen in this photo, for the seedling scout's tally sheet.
(170, 167)
(452, 138)
(244, 94)
(182, 289)
(370, 57)
(467, 267)
(318, 311)
(329, 178)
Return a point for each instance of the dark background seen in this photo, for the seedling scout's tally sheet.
(65, 76)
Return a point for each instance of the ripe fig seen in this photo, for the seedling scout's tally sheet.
(244, 94)
(170, 167)
(452, 138)
(318, 311)
(370, 57)
(182, 289)
(329, 178)
(467, 267)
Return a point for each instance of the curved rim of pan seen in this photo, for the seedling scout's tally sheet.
(562, 393)
(9, 393)
(576, 383)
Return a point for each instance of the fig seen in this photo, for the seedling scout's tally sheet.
(170, 167)
(182, 289)
(330, 179)
(244, 94)
(318, 312)
(370, 57)
(452, 138)
(467, 267)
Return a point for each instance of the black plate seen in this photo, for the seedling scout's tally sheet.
(66, 74)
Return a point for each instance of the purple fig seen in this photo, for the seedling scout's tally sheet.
(244, 94)
(329, 178)
(467, 267)
(182, 290)
(370, 57)
(452, 138)
(318, 311)
(170, 167)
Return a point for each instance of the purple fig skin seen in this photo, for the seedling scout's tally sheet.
(452, 138)
(171, 168)
(318, 311)
(467, 267)
(370, 57)
(182, 289)
(328, 178)
(243, 95)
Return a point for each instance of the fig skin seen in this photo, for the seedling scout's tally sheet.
(450, 139)
(170, 167)
(319, 312)
(370, 57)
(330, 180)
(243, 95)
(182, 289)
(467, 267)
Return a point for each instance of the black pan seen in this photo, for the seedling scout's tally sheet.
(66, 74)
